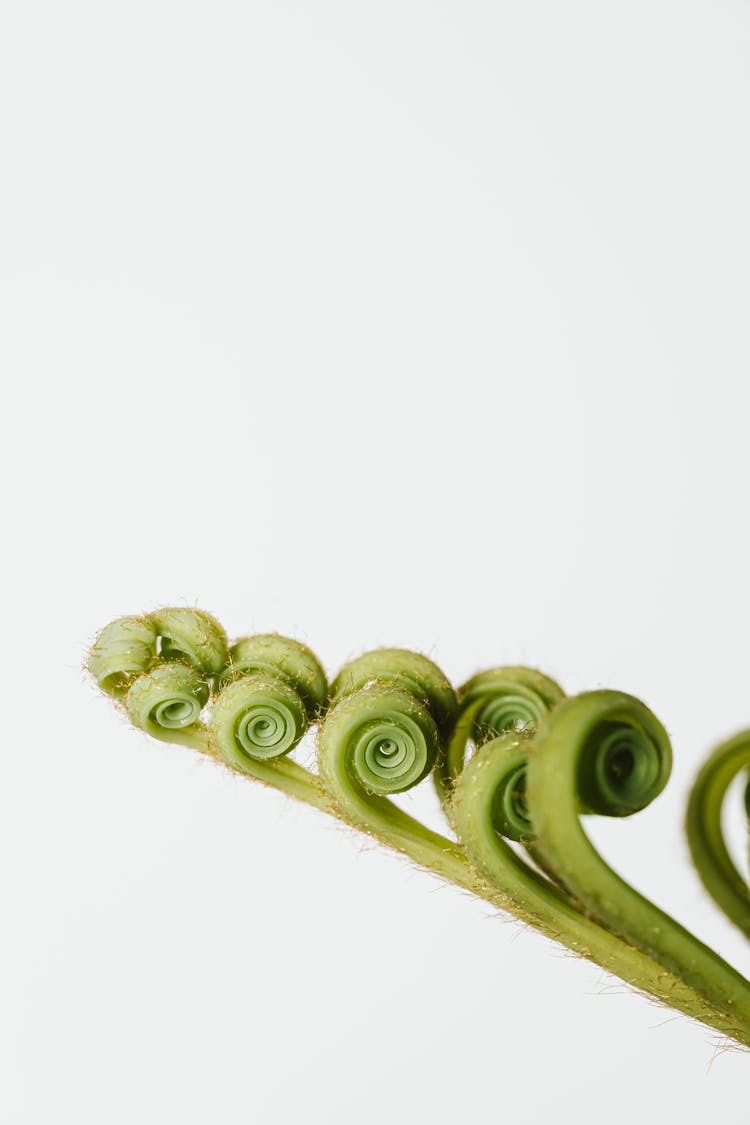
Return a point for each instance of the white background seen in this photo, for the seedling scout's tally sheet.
(398, 323)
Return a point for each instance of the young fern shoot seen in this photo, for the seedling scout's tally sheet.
(515, 762)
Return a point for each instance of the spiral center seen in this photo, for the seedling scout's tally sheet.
(175, 713)
(266, 729)
(510, 809)
(389, 755)
(620, 769)
(621, 764)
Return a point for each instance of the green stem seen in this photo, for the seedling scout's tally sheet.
(279, 773)
(710, 855)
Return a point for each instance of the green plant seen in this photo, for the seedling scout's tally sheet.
(515, 762)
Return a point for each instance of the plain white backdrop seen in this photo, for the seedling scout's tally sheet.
(402, 323)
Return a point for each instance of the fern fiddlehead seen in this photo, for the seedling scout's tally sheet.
(382, 737)
(500, 699)
(167, 702)
(191, 636)
(271, 689)
(123, 650)
(390, 718)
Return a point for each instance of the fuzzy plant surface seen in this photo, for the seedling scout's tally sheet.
(516, 763)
